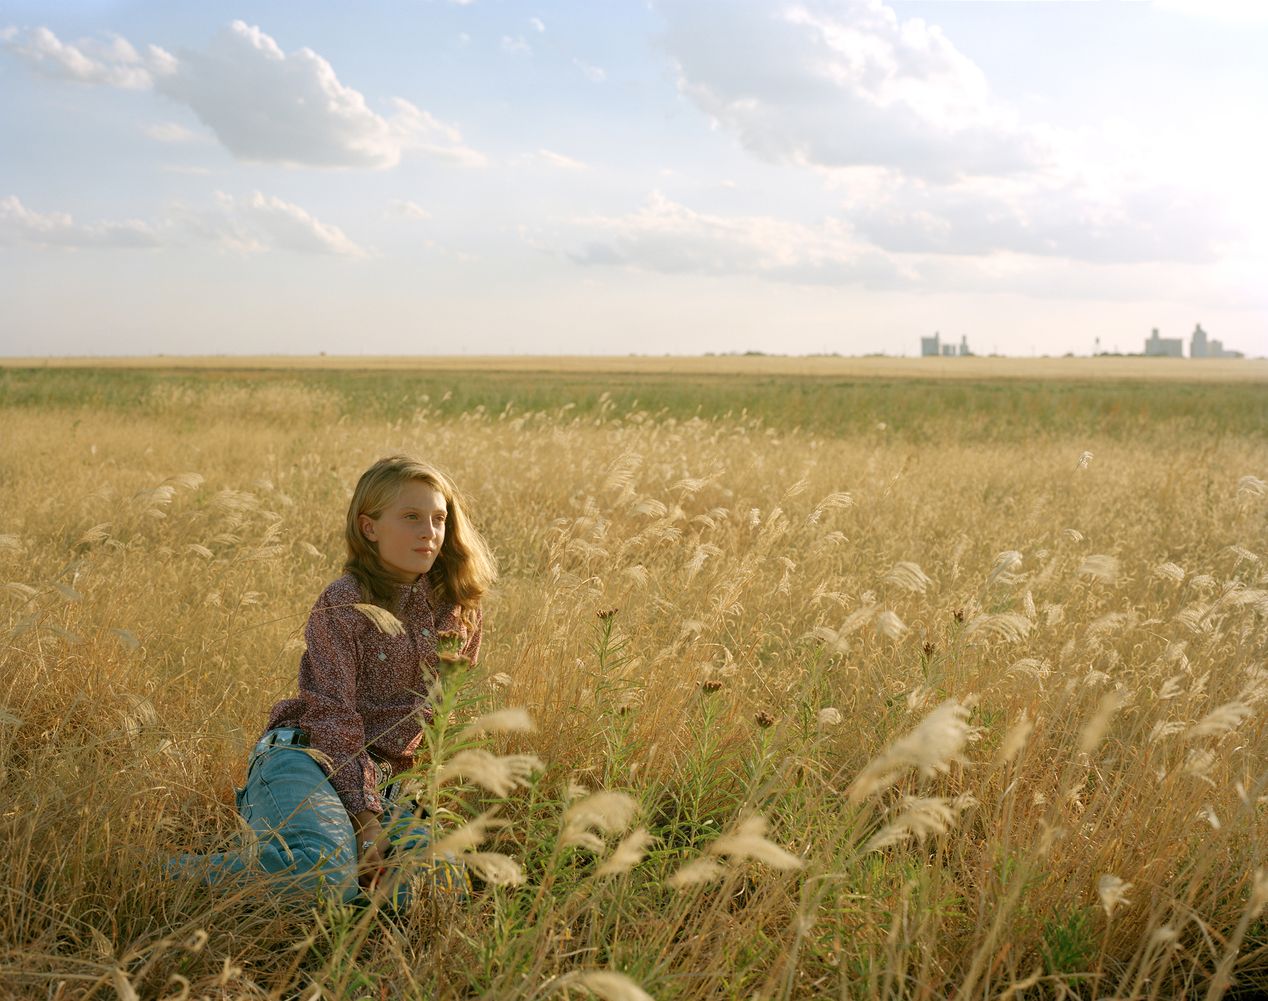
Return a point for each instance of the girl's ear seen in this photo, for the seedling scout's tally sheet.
(367, 527)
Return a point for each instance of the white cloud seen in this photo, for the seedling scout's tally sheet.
(406, 209)
(548, 158)
(670, 238)
(515, 45)
(255, 224)
(1044, 217)
(286, 226)
(19, 224)
(263, 104)
(268, 106)
(667, 237)
(115, 63)
(537, 24)
(832, 84)
(889, 107)
(250, 225)
(170, 132)
(595, 74)
(560, 160)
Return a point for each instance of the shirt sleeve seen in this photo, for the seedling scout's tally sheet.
(328, 692)
(471, 649)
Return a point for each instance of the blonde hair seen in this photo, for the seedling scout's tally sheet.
(464, 569)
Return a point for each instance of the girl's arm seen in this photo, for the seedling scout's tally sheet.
(328, 690)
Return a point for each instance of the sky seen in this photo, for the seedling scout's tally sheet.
(630, 176)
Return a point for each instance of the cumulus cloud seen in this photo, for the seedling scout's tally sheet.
(263, 104)
(515, 44)
(595, 74)
(271, 223)
(403, 208)
(253, 224)
(115, 63)
(837, 84)
(671, 238)
(537, 24)
(19, 224)
(560, 160)
(858, 93)
(1050, 218)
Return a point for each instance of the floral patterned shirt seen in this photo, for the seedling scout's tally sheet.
(361, 692)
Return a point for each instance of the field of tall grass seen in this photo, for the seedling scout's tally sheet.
(958, 695)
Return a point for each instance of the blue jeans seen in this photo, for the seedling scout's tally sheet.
(304, 842)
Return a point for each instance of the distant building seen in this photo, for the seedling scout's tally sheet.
(1203, 347)
(932, 347)
(1165, 347)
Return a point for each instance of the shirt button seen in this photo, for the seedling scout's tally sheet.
(382, 655)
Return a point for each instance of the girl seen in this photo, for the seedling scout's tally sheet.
(319, 792)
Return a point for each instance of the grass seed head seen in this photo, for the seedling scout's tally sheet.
(605, 812)
(1016, 737)
(695, 872)
(606, 985)
(384, 621)
(747, 840)
(627, 854)
(514, 720)
(468, 836)
(1219, 721)
(908, 576)
(1098, 725)
(1113, 893)
(934, 744)
(889, 624)
(500, 775)
(495, 868)
(920, 817)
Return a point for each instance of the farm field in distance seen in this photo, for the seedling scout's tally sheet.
(923, 680)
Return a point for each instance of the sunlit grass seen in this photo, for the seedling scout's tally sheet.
(887, 708)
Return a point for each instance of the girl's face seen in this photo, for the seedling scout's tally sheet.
(409, 533)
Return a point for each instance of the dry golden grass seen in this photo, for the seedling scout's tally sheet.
(914, 720)
(1252, 370)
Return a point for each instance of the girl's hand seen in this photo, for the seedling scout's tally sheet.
(372, 845)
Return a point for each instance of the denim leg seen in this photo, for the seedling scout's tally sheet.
(305, 840)
(409, 830)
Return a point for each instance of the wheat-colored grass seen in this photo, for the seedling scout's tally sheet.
(1219, 370)
(914, 720)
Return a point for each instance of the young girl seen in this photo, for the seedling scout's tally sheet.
(319, 793)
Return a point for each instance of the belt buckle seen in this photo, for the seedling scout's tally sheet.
(284, 736)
